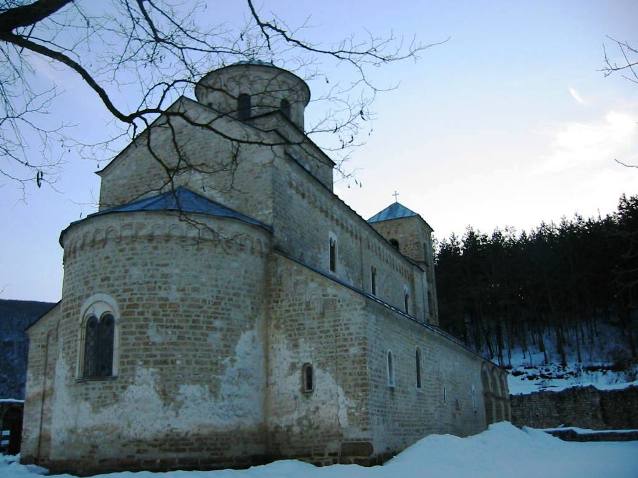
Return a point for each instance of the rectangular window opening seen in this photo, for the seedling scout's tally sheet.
(373, 280)
(333, 255)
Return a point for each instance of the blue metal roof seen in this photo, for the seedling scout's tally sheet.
(182, 200)
(393, 211)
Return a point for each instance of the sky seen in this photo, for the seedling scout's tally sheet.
(507, 124)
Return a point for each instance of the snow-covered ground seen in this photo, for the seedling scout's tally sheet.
(502, 451)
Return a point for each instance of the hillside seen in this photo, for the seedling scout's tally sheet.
(558, 305)
(15, 317)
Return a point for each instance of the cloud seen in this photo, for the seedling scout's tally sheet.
(575, 144)
(576, 95)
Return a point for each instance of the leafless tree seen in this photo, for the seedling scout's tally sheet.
(154, 51)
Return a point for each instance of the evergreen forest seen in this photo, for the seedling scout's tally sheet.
(561, 286)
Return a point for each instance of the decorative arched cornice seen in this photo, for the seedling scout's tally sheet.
(165, 227)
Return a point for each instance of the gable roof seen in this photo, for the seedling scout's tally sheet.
(393, 211)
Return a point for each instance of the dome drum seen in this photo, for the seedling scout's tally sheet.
(251, 89)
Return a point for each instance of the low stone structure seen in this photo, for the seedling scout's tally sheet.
(243, 313)
(584, 407)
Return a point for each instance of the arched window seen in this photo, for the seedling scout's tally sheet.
(406, 302)
(243, 106)
(99, 338)
(390, 370)
(333, 254)
(284, 106)
(444, 394)
(394, 243)
(307, 378)
(418, 367)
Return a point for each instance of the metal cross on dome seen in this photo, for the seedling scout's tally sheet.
(396, 196)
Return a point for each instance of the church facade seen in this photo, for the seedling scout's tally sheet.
(240, 312)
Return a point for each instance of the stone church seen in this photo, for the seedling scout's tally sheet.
(240, 312)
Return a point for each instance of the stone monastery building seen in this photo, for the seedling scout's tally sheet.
(242, 312)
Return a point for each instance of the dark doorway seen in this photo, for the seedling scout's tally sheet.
(11, 431)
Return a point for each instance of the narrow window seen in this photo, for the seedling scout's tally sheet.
(473, 394)
(496, 382)
(444, 394)
(284, 106)
(390, 370)
(243, 106)
(90, 346)
(418, 368)
(430, 304)
(99, 338)
(106, 329)
(406, 302)
(373, 280)
(394, 243)
(307, 377)
(333, 254)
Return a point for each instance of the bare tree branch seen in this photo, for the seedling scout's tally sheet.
(155, 51)
(628, 63)
(627, 165)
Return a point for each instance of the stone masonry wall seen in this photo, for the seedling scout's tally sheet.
(415, 241)
(585, 407)
(353, 415)
(305, 214)
(450, 399)
(189, 359)
(315, 321)
(43, 349)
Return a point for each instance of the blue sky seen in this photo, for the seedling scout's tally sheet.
(508, 123)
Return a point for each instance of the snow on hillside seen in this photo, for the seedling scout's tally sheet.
(602, 362)
(501, 451)
(529, 379)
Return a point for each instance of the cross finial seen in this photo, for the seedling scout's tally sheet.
(396, 196)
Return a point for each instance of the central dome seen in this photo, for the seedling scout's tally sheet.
(252, 88)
